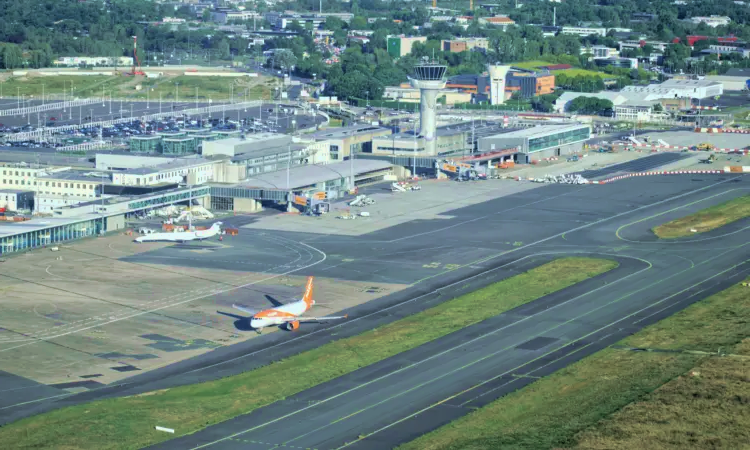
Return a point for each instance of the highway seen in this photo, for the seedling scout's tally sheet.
(402, 397)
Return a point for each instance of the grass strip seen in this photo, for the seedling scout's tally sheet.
(707, 408)
(129, 422)
(706, 220)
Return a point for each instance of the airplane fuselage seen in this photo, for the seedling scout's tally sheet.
(279, 315)
(182, 236)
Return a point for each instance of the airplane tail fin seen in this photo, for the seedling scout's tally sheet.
(307, 298)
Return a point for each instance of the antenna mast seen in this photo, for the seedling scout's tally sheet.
(136, 64)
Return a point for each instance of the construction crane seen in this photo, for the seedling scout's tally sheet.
(136, 64)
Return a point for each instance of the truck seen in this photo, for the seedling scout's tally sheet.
(705, 146)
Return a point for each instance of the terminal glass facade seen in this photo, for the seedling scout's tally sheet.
(169, 198)
(39, 238)
(178, 146)
(557, 139)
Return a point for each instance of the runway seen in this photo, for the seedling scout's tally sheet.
(402, 397)
(397, 399)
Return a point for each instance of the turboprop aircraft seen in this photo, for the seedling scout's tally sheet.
(182, 236)
(287, 315)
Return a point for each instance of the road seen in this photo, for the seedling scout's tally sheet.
(402, 397)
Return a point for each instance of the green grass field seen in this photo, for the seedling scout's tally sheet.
(121, 86)
(569, 72)
(706, 220)
(127, 423)
(186, 88)
(670, 400)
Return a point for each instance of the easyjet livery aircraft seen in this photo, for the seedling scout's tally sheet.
(288, 314)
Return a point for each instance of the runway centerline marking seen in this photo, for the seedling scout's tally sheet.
(535, 359)
(479, 261)
(432, 356)
(539, 334)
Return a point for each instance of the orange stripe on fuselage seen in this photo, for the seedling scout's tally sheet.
(272, 313)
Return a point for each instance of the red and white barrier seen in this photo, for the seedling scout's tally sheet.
(664, 172)
(658, 148)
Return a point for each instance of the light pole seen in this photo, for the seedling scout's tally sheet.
(42, 93)
(176, 93)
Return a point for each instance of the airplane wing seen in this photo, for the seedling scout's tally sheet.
(310, 319)
(252, 312)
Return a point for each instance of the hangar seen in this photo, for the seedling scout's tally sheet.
(539, 142)
(285, 188)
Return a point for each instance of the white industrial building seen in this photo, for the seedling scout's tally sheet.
(16, 200)
(124, 161)
(68, 187)
(584, 31)
(677, 89)
(711, 21)
(191, 171)
(232, 147)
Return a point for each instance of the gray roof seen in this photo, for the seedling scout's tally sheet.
(263, 152)
(12, 228)
(92, 176)
(344, 132)
(302, 176)
(738, 72)
(174, 164)
(540, 130)
(672, 83)
(14, 191)
(488, 128)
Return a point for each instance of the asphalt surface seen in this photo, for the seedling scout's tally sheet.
(637, 165)
(402, 397)
(137, 109)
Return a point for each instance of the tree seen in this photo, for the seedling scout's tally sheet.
(358, 23)
(591, 105)
(284, 59)
(658, 108)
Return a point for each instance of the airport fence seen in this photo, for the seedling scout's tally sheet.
(48, 107)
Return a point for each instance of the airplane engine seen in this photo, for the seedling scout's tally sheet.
(291, 326)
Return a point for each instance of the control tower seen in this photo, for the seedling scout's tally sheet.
(497, 83)
(429, 78)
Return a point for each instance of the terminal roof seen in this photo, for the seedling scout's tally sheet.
(343, 132)
(92, 176)
(304, 176)
(180, 163)
(540, 130)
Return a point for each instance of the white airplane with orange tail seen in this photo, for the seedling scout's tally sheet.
(287, 315)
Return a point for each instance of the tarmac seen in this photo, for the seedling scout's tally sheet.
(402, 397)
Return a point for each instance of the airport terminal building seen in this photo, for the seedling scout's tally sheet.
(539, 142)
